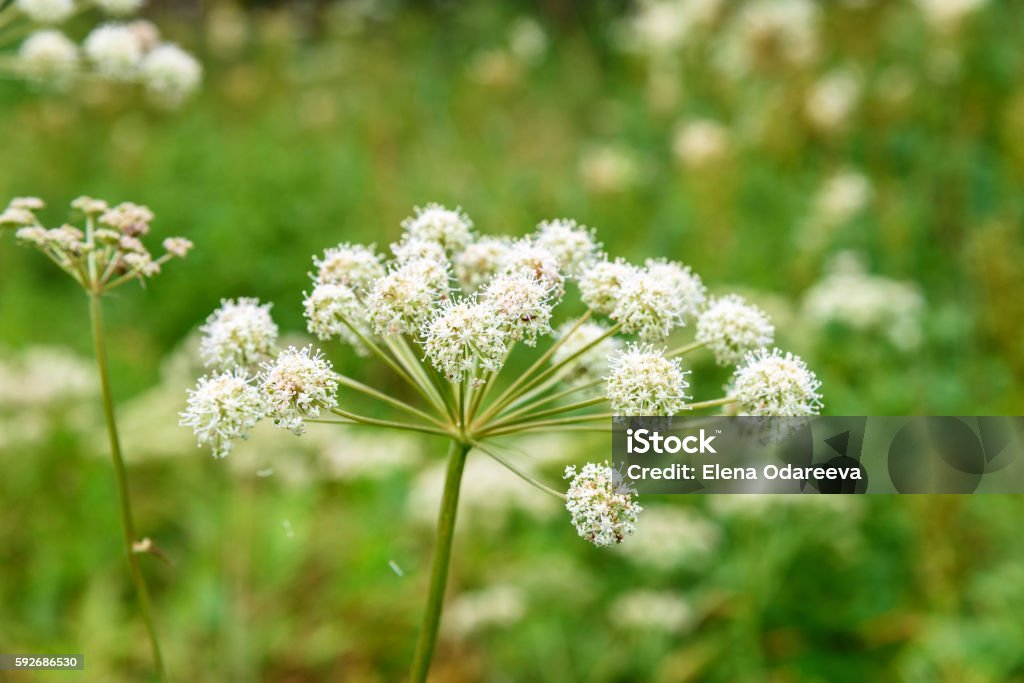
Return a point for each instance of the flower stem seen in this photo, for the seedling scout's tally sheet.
(725, 400)
(685, 349)
(121, 476)
(439, 570)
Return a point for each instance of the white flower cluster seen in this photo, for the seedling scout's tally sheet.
(107, 253)
(644, 382)
(851, 298)
(225, 406)
(462, 335)
(120, 51)
(770, 383)
(603, 509)
(730, 328)
(240, 333)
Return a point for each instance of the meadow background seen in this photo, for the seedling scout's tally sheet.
(880, 140)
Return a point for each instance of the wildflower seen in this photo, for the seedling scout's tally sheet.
(177, 246)
(298, 385)
(170, 74)
(591, 364)
(832, 100)
(451, 228)
(239, 333)
(644, 610)
(116, 51)
(89, 206)
(603, 508)
(572, 245)
(769, 383)
(651, 304)
(701, 143)
(416, 248)
(15, 216)
(672, 537)
(495, 606)
(643, 382)
(222, 409)
(354, 265)
(330, 311)
(522, 304)
(403, 299)
(688, 286)
(528, 256)
(479, 261)
(730, 327)
(841, 197)
(46, 11)
(607, 169)
(48, 55)
(463, 335)
(601, 282)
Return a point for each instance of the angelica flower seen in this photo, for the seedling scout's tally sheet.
(650, 306)
(730, 327)
(701, 143)
(688, 286)
(572, 245)
(298, 385)
(15, 216)
(528, 256)
(178, 246)
(769, 383)
(222, 409)
(354, 265)
(46, 11)
(170, 74)
(522, 304)
(239, 333)
(603, 508)
(643, 382)
(480, 261)
(601, 282)
(592, 364)
(403, 299)
(48, 55)
(451, 228)
(414, 248)
(330, 311)
(463, 335)
(116, 51)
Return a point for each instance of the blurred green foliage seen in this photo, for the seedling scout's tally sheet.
(315, 127)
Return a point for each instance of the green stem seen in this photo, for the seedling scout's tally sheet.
(685, 349)
(711, 404)
(531, 416)
(439, 570)
(391, 424)
(548, 399)
(544, 424)
(381, 396)
(121, 476)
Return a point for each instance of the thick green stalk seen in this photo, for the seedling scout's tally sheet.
(121, 476)
(439, 570)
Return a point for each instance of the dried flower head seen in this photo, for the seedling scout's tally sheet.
(297, 385)
(354, 265)
(643, 382)
(464, 335)
(222, 409)
(603, 508)
(239, 333)
(522, 304)
(730, 328)
(771, 384)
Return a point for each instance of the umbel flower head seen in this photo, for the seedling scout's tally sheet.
(643, 382)
(298, 385)
(450, 310)
(603, 509)
(730, 328)
(222, 409)
(107, 253)
(770, 383)
(240, 333)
